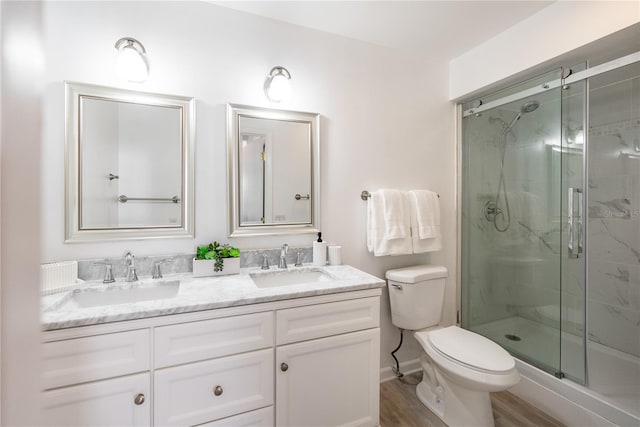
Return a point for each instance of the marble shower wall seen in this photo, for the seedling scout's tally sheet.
(614, 211)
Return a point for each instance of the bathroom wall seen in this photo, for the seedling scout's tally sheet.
(556, 30)
(148, 164)
(21, 70)
(99, 194)
(386, 120)
(614, 210)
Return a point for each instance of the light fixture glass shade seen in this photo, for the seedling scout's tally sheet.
(277, 87)
(131, 63)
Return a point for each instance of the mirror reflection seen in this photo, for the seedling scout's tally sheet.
(274, 173)
(129, 165)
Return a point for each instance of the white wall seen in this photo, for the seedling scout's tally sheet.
(21, 68)
(99, 159)
(554, 31)
(386, 120)
(150, 164)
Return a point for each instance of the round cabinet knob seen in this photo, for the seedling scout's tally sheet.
(217, 390)
(284, 367)
(139, 399)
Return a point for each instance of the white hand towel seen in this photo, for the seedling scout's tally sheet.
(395, 221)
(429, 244)
(377, 243)
(426, 205)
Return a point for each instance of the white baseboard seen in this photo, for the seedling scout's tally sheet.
(408, 367)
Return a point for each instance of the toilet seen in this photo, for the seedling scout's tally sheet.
(460, 368)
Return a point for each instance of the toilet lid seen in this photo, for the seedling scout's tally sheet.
(471, 349)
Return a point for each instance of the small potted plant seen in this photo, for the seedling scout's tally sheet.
(216, 259)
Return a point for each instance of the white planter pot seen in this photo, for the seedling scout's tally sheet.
(204, 267)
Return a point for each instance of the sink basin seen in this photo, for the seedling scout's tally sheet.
(289, 278)
(124, 295)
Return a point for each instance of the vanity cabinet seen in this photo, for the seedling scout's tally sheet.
(78, 388)
(307, 361)
(326, 374)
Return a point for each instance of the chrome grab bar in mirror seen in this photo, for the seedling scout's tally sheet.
(124, 199)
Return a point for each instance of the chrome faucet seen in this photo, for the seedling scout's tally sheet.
(157, 271)
(129, 261)
(108, 272)
(265, 262)
(283, 256)
(299, 258)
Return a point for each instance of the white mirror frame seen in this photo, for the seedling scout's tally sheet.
(73, 233)
(234, 112)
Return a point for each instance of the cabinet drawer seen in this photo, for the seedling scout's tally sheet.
(316, 321)
(105, 403)
(185, 395)
(93, 358)
(260, 418)
(191, 342)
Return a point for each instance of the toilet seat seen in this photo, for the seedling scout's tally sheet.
(462, 363)
(471, 349)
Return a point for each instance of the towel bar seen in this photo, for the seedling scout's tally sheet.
(124, 199)
(365, 195)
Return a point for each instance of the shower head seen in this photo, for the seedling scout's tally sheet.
(529, 107)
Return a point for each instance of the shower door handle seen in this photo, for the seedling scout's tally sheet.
(574, 223)
(580, 222)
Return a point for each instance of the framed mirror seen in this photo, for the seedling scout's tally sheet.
(274, 171)
(129, 165)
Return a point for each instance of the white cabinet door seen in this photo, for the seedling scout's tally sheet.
(329, 381)
(123, 401)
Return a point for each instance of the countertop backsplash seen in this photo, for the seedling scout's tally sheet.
(181, 263)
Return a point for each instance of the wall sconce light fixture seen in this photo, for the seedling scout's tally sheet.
(131, 64)
(277, 87)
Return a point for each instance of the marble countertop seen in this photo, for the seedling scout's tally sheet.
(205, 293)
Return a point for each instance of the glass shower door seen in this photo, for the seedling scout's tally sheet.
(573, 237)
(512, 223)
(614, 236)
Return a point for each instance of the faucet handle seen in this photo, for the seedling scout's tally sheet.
(157, 271)
(265, 262)
(108, 272)
(299, 258)
(129, 258)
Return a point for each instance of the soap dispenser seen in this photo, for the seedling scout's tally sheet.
(319, 252)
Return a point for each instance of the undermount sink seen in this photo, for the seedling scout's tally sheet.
(289, 278)
(126, 294)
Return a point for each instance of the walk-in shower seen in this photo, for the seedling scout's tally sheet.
(550, 227)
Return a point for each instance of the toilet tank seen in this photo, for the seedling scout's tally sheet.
(416, 295)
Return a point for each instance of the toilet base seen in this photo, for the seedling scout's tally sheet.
(453, 404)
